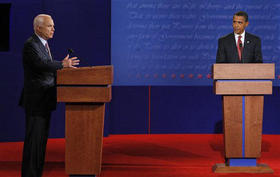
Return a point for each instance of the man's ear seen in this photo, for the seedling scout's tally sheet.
(37, 28)
(247, 23)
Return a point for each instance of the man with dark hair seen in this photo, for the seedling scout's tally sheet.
(39, 93)
(243, 14)
(239, 46)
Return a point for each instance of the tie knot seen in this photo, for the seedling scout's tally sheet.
(46, 45)
(239, 37)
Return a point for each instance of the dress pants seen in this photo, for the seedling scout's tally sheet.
(36, 136)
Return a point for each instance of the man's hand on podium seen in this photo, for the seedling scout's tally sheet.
(70, 62)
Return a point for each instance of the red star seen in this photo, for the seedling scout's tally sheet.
(182, 76)
(190, 75)
(155, 75)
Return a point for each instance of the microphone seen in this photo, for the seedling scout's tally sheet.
(240, 45)
(70, 51)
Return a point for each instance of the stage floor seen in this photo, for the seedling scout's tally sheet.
(172, 155)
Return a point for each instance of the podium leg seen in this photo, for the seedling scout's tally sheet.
(253, 126)
(232, 110)
(84, 136)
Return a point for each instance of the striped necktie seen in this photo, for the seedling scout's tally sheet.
(48, 50)
(239, 47)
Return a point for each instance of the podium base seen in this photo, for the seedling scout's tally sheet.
(223, 168)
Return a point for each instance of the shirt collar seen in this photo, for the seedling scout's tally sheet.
(243, 35)
(41, 39)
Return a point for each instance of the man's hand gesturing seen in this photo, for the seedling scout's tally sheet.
(70, 62)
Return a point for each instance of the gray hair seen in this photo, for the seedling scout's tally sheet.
(39, 19)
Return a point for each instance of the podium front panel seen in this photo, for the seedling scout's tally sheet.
(242, 87)
(84, 94)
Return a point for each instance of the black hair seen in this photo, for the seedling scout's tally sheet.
(243, 14)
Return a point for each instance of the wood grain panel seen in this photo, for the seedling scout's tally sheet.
(96, 75)
(84, 94)
(253, 125)
(232, 107)
(243, 87)
(244, 71)
(84, 135)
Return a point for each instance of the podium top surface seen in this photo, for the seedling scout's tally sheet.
(95, 75)
(244, 71)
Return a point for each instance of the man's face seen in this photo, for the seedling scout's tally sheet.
(239, 24)
(46, 30)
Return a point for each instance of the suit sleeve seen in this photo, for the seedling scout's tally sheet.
(220, 57)
(33, 57)
(258, 51)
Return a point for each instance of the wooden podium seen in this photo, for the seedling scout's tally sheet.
(85, 91)
(242, 87)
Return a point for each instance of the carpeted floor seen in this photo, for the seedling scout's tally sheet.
(186, 155)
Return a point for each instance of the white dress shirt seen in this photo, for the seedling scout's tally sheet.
(242, 38)
(42, 40)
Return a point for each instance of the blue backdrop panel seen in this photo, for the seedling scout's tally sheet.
(83, 26)
(161, 42)
(271, 112)
(178, 109)
(129, 110)
(193, 110)
(12, 117)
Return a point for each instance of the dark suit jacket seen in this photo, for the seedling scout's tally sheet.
(228, 52)
(39, 92)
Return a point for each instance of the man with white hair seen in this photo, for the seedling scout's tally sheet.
(39, 93)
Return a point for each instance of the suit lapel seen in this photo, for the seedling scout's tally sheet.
(247, 42)
(41, 46)
(235, 56)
